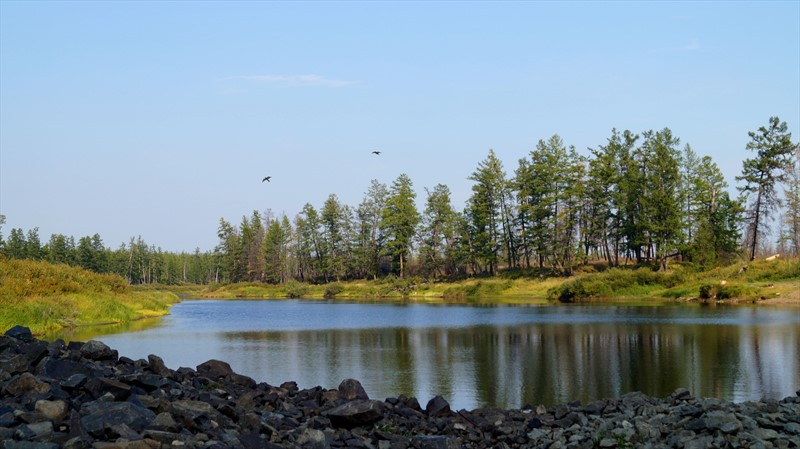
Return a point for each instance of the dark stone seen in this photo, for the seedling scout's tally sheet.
(20, 333)
(97, 350)
(34, 351)
(255, 441)
(355, 413)
(351, 389)
(437, 407)
(74, 381)
(244, 381)
(156, 364)
(434, 442)
(15, 365)
(102, 415)
(29, 445)
(214, 369)
(100, 386)
(534, 423)
(62, 369)
(26, 383)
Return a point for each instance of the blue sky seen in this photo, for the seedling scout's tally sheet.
(159, 118)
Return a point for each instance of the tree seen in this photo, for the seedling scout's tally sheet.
(437, 232)
(276, 250)
(550, 188)
(308, 246)
(489, 212)
(791, 232)
(16, 246)
(712, 216)
(33, 245)
(60, 249)
(605, 199)
(662, 194)
(334, 217)
(369, 241)
(773, 147)
(225, 253)
(399, 220)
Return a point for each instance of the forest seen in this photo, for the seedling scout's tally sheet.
(638, 199)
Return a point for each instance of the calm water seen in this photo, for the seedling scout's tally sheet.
(505, 356)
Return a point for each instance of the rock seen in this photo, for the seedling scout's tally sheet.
(312, 439)
(99, 387)
(100, 416)
(62, 369)
(20, 333)
(29, 445)
(726, 422)
(434, 442)
(157, 365)
(438, 406)
(214, 369)
(26, 383)
(351, 389)
(97, 350)
(52, 410)
(356, 413)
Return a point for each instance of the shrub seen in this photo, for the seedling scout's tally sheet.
(331, 290)
(296, 289)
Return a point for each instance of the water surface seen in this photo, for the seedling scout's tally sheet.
(497, 355)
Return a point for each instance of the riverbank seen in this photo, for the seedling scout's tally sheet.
(46, 297)
(83, 395)
(768, 282)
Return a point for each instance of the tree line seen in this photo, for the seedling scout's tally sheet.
(638, 198)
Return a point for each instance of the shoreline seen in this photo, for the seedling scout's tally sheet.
(82, 395)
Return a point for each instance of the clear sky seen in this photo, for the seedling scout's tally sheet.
(156, 119)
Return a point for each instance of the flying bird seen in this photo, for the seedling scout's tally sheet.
(376, 152)
(266, 178)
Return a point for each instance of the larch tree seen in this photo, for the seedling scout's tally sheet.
(489, 212)
(369, 240)
(436, 231)
(761, 175)
(791, 230)
(663, 203)
(399, 220)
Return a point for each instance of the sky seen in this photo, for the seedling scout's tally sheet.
(157, 119)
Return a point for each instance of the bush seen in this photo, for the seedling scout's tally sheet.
(296, 289)
(331, 290)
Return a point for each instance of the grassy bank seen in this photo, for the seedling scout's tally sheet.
(775, 281)
(45, 297)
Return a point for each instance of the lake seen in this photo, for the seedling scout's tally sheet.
(480, 355)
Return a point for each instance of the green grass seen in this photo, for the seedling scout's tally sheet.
(45, 297)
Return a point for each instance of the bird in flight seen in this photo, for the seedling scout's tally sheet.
(376, 152)
(266, 178)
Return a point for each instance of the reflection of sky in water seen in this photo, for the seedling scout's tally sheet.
(288, 315)
(505, 355)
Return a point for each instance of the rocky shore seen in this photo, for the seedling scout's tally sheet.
(83, 395)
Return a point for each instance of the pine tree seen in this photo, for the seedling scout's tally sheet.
(399, 221)
(437, 232)
(490, 212)
(773, 147)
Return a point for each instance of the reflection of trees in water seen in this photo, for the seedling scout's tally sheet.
(86, 333)
(534, 364)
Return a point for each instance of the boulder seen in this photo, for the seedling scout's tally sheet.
(20, 333)
(355, 413)
(97, 350)
(26, 383)
(214, 369)
(351, 389)
(101, 416)
(438, 406)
